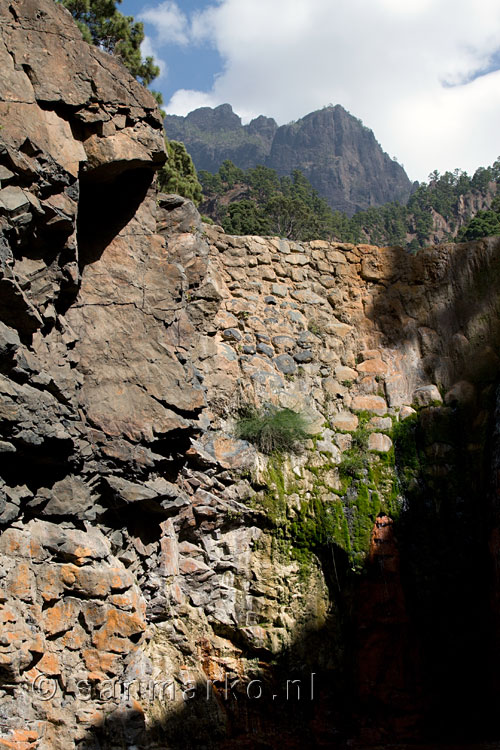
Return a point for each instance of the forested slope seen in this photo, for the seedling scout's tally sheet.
(258, 201)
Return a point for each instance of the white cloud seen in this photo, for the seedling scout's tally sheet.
(169, 21)
(184, 101)
(203, 25)
(399, 66)
(148, 50)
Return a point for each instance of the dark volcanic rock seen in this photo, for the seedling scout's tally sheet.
(341, 158)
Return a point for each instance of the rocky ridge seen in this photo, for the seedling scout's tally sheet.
(334, 150)
(244, 145)
(143, 547)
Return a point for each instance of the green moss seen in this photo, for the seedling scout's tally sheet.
(376, 506)
(387, 458)
(276, 475)
(273, 501)
(321, 522)
(342, 517)
(316, 470)
(406, 453)
(305, 559)
(364, 416)
(393, 500)
(273, 507)
(345, 536)
(355, 460)
(362, 525)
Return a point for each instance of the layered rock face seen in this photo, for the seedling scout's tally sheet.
(339, 156)
(162, 582)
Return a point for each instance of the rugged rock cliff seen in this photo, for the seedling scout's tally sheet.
(339, 156)
(216, 134)
(162, 582)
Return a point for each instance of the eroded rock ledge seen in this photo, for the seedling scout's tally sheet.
(141, 542)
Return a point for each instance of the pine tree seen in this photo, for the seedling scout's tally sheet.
(103, 25)
(178, 175)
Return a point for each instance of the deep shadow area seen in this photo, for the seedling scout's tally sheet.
(38, 464)
(405, 659)
(320, 693)
(286, 706)
(455, 292)
(442, 534)
(448, 528)
(105, 207)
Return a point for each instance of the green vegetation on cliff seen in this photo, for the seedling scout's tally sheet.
(178, 174)
(314, 513)
(272, 430)
(483, 224)
(270, 205)
(102, 24)
(259, 201)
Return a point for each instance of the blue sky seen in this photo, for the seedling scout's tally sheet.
(187, 67)
(424, 75)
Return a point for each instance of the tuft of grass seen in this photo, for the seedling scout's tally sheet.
(360, 439)
(272, 430)
(352, 465)
(355, 459)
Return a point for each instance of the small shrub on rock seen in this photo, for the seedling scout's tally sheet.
(272, 430)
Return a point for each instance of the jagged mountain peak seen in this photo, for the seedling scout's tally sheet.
(220, 117)
(338, 154)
